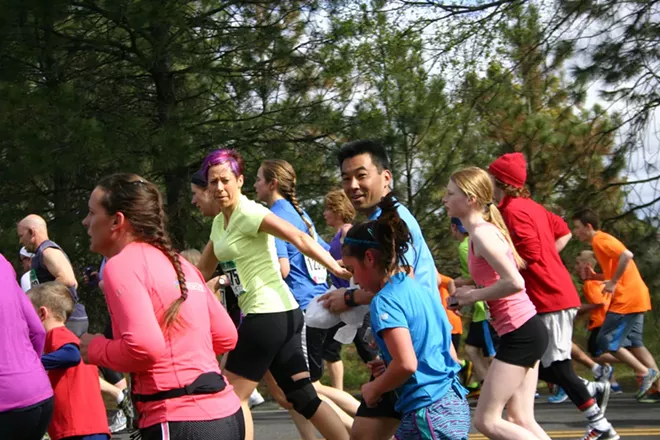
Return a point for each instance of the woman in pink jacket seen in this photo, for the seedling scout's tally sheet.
(168, 327)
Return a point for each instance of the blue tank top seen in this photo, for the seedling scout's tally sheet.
(43, 275)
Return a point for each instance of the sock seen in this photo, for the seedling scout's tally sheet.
(120, 398)
(463, 363)
(596, 369)
(596, 418)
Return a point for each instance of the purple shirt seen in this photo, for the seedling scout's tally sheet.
(23, 380)
(335, 251)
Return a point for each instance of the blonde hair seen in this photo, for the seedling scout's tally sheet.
(475, 182)
(587, 257)
(192, 255)
(53, 295)
(338, 202)
(282, 171)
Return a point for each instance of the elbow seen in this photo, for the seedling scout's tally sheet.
(517, 284)
(145, 356)
(409, 366)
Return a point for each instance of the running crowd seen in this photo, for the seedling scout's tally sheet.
(197, 331)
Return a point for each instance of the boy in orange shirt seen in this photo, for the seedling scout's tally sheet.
(447, 287)
(78, 411)
(629, 299)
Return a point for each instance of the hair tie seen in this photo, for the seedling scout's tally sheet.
(362, 243)
(489, 204)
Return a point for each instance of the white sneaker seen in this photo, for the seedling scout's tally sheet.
(255, 399)
(118, 423)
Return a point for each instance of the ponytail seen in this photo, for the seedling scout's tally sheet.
(282, 172)
(494, 216)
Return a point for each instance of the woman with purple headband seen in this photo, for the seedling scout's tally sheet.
(269, 338)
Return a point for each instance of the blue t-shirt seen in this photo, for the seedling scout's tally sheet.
(405, 303)
(418, 255)
(302, 286)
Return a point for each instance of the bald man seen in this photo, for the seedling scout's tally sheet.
(50, 263)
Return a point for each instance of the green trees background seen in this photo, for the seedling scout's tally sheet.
(89, 87)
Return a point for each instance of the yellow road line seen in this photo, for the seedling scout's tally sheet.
(639, 432)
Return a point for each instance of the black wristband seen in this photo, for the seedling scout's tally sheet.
(349, 297)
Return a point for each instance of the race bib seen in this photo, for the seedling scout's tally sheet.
(317, 272)
(229, 269)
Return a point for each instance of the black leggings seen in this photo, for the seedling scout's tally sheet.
(27, 423)
(562, 373)
(229, 428)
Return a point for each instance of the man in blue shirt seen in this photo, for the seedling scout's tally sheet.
(366, 179)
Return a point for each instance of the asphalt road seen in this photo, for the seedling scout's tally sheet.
(633, 421)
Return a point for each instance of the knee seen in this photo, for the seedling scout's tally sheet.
(302, 395)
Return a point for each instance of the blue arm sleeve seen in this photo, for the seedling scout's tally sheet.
(66, 356)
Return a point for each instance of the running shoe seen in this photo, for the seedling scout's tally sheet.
(647, 383)
(126, 406)
(595, 434)
(559, 397)
(603, 390)
(652, 397)
(118, 422)
(616, 388)
(604, 373)
(255, 399)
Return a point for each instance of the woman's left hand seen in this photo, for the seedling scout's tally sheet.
(85, 340)
(370, 395)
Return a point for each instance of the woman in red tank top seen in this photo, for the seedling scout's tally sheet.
(494, 266)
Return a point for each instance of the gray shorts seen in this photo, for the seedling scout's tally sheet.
(560, 335)
(621, 331)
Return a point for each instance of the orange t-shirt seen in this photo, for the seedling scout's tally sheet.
(631, 294)
(454, 319)
(593, 292)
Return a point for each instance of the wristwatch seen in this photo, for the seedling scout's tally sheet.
(349, 297)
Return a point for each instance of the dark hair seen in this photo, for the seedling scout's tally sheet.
(281, 171)
(199, 179)
(142, 204)
(389, 235)
(365, 146)
(588, 217)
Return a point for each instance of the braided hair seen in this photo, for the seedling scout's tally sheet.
(388, 235)
(281, 171)
(141, 203)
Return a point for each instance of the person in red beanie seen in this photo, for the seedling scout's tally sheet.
(539, 235)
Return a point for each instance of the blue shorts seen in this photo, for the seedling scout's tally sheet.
(89, 437)
(621, 331)
(444, 419)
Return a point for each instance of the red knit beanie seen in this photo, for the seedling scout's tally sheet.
(510, 168)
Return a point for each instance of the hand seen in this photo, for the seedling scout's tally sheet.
(463, 297)
(223, 281)
(343, 274)
(334, 301)
(85, 340)
(377, 367)
(609, 286)
(370, 395)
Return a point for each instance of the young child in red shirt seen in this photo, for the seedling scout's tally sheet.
(79, 412)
